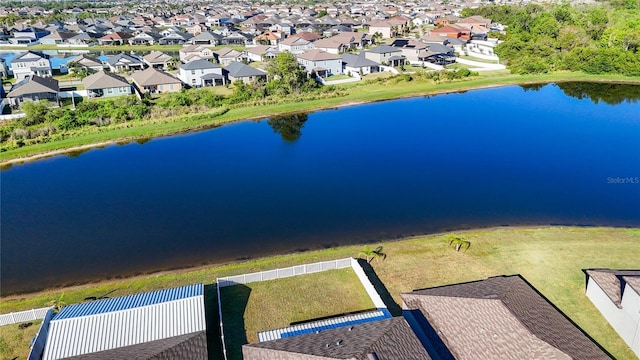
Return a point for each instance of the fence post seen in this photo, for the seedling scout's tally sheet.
(13, 318)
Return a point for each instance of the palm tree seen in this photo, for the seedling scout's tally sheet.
(458, 242)
(369, 254)
(58, 303)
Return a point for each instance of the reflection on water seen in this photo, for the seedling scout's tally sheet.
(357, 174)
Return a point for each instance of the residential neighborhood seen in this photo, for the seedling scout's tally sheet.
(238, 40)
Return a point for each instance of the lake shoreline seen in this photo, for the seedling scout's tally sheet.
(461, 86)
(118, 279)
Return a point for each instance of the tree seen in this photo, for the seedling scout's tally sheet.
(58, 303)
(458, 243)
(36, 112)
(370, 254)
(288, 126)
(285, 71)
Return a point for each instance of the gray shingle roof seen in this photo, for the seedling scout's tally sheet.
(124, 58)
(504, 315)
(152, 77)
(383, 49)
(358, 61)
(389, 339)
(34, 84)
(238, 70)
(199, 64)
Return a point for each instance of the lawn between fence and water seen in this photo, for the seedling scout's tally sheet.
(550, 258)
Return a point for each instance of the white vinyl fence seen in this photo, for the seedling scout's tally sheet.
(22, 316)
(295, 271)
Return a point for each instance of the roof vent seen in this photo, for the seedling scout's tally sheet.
(491, 296)
(372, 356)
(339, 342)
(327, 345)
(350, 328)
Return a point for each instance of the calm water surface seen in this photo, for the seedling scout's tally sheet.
(501, 156)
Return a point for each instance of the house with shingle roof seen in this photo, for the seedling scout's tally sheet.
(359, 64)
(124, 62)
(34, 88)
(85, 61)
(195, 52)
(322, 62)
(237, 71)
(616, 294)
(154, 81)
(226, 56)
(201, 73)
(106, 84)
(31, 63)
(57, 37)
(157, 59)
(501, 317)
(262, 53)
(115, 38)
(162, 324)
(386, 55)
(206, 38)
(391, 339)
(295, 45)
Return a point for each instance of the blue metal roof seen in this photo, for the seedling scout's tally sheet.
(129, 302)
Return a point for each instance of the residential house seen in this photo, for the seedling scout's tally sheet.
(386, 55)
(106, 84)
(4, 69)
(34, 88)
(236, 38)
(154, 81)
(195, 29)
(262, 53)
(144, 38)
(295, 45)
(225, 56)
(206, 38)
(330, 45)
(438, 54)
(201, 73)
(390, 338)
(163, 324)
(496, 318)
(81, 39)
(158, 60)
(410, 48)
(268, 38)
(321, 62)
(28, 36)
(616, 294)
(237, 71)
(359, 64)
(175, 38)
(31, 63)
(195, 52)
(389, 28)
(57, 37)
(123, 62)
(115, 38)
(453, 31)
(85, 61)
(476, 24)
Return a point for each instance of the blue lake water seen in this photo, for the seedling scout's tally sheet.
(385, 170)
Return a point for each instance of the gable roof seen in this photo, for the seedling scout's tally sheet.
(85, 60)
(34, 84)
(193, 48)
(29, 56)
(318, 55)
(612, 282)
(501, 316)
(227, 52)
(383, 49)
(123, 58)
(152, 76)
(387, 339)
(156, 57)
(199, 64)
(358, 61)
(238, 70)
(103, 80)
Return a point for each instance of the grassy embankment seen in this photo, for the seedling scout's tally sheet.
(550, 258)
(360, 92)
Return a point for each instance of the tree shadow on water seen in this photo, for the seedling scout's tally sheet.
(288, 126)
(234, 302)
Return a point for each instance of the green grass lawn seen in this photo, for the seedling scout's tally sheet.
(249, 309)
(473, 58)
(14, 342)
(550, 258)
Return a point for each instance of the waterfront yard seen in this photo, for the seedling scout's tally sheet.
(249, 309)
(550, 258)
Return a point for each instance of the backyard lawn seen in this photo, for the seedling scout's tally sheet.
(249, 309)
(550, 258)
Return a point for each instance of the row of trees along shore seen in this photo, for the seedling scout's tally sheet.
(596, 39)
